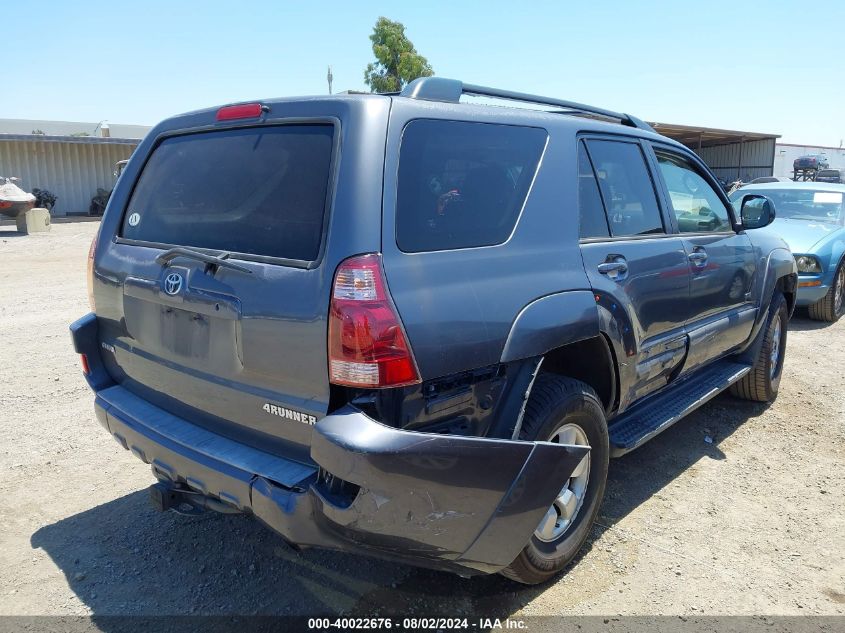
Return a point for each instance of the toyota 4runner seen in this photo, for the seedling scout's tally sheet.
(418, 328)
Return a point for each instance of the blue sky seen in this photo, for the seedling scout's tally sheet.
(764, 66)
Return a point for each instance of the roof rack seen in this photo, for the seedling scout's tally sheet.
(451, 90)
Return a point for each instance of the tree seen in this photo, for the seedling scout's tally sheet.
(397, 61)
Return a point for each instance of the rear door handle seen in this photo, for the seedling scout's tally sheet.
(698, 257)
(615, 268)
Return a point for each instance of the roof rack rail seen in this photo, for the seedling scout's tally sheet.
(451, 90)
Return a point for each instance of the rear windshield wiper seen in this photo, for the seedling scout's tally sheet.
(220, 260)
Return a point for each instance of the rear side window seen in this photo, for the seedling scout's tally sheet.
(463, 184)
(590, 207)
(256, 191)
(626, 188)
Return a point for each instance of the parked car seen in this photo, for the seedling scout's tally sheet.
(810, 161)
(763, 179)
(812, 221)
(426, 348)
(831, 175)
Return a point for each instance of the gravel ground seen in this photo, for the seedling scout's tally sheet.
(738, 509)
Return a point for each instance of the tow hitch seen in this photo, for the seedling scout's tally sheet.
(165, 496)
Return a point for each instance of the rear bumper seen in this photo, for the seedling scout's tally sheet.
(463, 504)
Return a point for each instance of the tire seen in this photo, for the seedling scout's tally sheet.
(556, 402)
(830, 307)
(762, 382)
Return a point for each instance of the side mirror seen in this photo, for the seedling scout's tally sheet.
(756, 211)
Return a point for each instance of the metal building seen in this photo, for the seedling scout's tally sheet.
(732, 155)
(71, 167)
(786, 153)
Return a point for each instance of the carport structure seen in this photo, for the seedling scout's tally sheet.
(731, 154)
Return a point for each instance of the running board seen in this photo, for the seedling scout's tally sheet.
(643, 421)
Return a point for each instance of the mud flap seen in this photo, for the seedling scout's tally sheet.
(473, 502)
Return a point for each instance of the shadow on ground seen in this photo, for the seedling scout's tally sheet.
(801, 322)
(123, 557)
(13, 232)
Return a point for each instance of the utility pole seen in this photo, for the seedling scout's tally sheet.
(329, 77)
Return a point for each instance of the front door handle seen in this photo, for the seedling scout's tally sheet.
(698, 257)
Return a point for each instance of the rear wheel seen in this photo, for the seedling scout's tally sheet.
(829, 308)
(565, 411)
(762, 382)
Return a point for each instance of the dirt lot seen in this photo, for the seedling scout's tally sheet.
(752, 523)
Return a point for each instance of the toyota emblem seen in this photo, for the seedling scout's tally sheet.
(173, 283)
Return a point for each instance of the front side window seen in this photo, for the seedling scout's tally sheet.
(626, 188)
(463, 184)
(696, 205)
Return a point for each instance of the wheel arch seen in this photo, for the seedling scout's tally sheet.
(593, 362)
(781, 274)
(564, 330)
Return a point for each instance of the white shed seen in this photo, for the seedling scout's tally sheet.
(71, 167)
(786, 153)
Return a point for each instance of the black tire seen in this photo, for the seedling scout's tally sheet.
(554, 401)
(825, 309)
(762, 382)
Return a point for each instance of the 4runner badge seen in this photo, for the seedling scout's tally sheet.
(289, 414)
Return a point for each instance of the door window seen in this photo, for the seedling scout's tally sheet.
(626, 188)
(590, 207)
(696, 205)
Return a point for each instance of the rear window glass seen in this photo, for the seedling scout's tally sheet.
(258, 191)
(463, 184)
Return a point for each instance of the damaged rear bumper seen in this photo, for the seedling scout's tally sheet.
(463, 504)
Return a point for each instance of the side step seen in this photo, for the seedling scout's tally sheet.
(645, 420)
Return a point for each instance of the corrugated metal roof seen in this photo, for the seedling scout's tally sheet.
(65, 128)
(85, 140)
(692, 135)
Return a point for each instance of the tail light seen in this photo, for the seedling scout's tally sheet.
(367, 345)
(92, 250)
(86, 368)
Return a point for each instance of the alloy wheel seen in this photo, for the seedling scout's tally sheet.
(567, 504)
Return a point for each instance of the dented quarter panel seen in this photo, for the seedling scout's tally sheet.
(550, 322)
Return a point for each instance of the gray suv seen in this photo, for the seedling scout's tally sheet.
(418, 328)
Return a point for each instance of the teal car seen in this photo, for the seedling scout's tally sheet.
(811, 219)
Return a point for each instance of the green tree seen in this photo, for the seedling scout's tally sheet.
(397, 61)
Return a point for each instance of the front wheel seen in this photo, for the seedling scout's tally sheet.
(762, 382)
(565, 411)
(829, 308)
